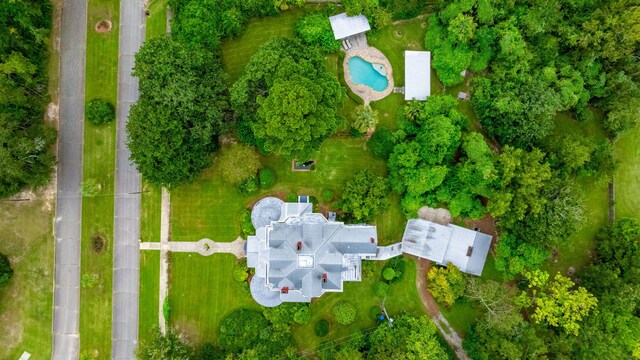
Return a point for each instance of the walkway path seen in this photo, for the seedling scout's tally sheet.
(430, 304)
(126, 256)
(204, 247)
(68, 221)
(165, 217)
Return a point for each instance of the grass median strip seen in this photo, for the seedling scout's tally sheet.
(99, 166)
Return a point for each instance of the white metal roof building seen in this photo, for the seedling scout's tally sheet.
(417, 75)
(464, 248)
(344, 26)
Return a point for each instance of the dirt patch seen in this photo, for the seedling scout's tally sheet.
(98, 243)
(399, 33)
(103, 26)
(423, 25)
(485, 225)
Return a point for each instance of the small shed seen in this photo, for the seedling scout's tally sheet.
(417, 75)
(463, 96)
(344, 26)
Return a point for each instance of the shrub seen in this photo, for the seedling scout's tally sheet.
(345, 313)
(388, 274)
(249, 186)
(355, 133)
(90, 187)
(166, 308)
(100, 111)
(365, 118)
(240, 330)
(381, 144)
(315, 29)
(374, 312)
(267, 178)
(381, 288)
(238, 163)
(397, 264)
(241, 271)
(368, 269)
(291, 197)
(246, 225)
(321, 328)
(327, 195)
(302, 316)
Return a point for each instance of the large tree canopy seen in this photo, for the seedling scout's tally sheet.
(289, 97)
(365, 195)
(174, 125)
(25, 141)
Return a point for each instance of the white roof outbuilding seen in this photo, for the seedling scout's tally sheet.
(344, 26)
(417, 75)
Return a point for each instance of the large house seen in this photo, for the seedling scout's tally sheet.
(299, 255)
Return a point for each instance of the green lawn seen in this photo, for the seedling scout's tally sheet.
(156, 22)
(99, 163)
(626, 182)
(236, 52)
(402, 297)
(26, 303)
(149, 293)
(202, 293)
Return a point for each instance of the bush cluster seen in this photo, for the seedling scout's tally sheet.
(100, 111)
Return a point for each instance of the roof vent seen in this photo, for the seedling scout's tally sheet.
(285, 290)
(469, 250)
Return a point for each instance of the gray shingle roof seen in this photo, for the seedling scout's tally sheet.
(320, 264)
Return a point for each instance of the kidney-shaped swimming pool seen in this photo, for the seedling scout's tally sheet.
(363, 72)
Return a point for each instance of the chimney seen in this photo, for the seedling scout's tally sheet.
(324, 278)
(299, 245)
(372, 240)
(285, 290)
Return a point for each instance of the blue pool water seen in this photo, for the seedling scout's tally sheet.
(363, 72)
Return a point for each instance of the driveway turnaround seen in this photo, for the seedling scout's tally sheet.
(68, 221)
(126, 255)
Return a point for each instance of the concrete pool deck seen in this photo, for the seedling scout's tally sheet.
(373, 56)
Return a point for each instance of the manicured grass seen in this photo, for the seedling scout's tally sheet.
(156, 22)
(150, 213)
(402, 297)
(26, 237)
(149, 293)
(203, 293)
(236, 52)
(627, 186)
(99, 163)
(462, 315)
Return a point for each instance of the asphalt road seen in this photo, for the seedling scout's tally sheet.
(68, 221)
(126, 254)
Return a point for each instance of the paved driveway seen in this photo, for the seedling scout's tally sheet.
(68, 222)
(126, 255)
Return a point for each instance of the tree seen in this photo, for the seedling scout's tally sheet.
(410, 337)
(321, 328)
(496, 300)
(381, 143)
(289, 98)
(291, 119)
(365, 195)
(345, 313)
(555, 302)
(315, 29)
(522, 177)
(240, 329)
(100, 111)
(446, 284)
(25, 156)
(388, 274)
(238, 163)
(365, 118)
(6, 272)
(174, 125)
(162, 347)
